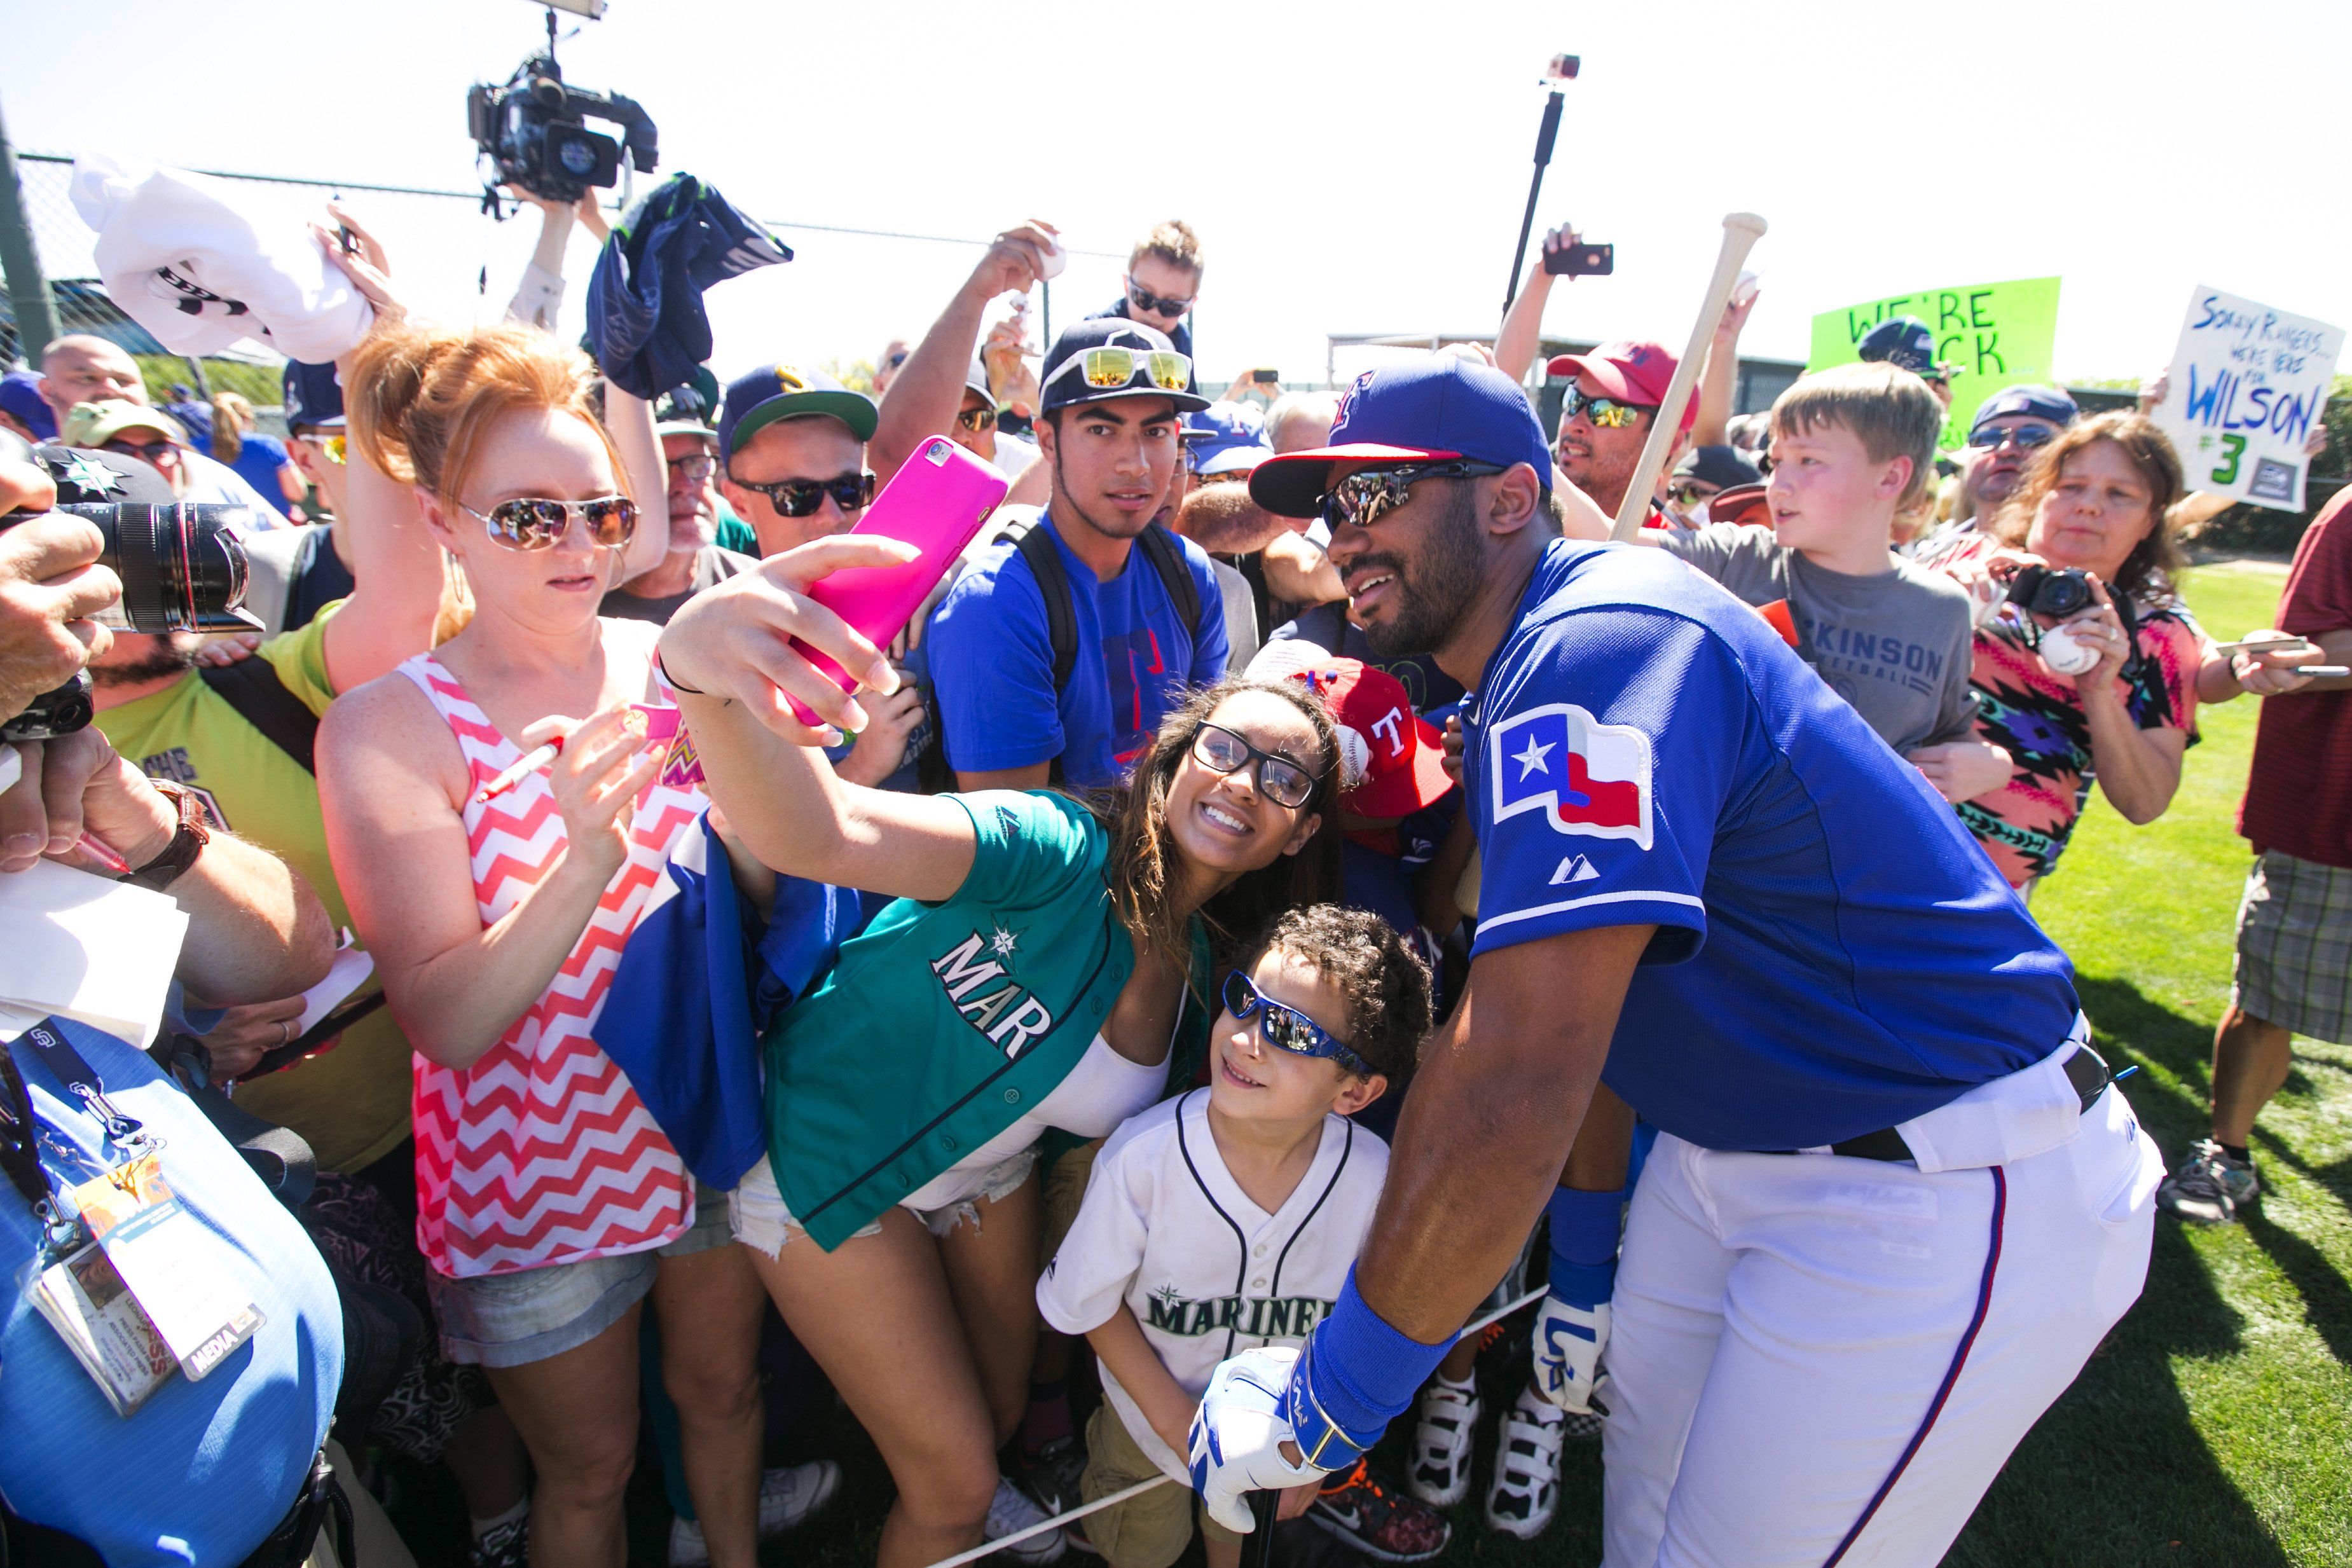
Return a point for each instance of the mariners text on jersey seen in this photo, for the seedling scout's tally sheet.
(1010, 1015)
(1253, 1317)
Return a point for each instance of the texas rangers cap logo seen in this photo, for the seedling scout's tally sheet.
(1585, 776)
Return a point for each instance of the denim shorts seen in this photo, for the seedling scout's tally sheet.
(532, 1314)
(758, 1214)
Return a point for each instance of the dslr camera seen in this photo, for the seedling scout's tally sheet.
(182, 563)
(533, 129)
(2055, 592)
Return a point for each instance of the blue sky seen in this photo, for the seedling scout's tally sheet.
(1350, 168)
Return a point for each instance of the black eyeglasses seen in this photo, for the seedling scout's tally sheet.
(802, 498)
(145, 451)
(1143, 298)
(977, 419)
(1992, 438)
(1284, 1027)
(1608, 412)
(535, 522)
(1365, 496)
(1283, 782)
(695, 466)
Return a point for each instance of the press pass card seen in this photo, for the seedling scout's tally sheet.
(170, 1262)
(101, 1321)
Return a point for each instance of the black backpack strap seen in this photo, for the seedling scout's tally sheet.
(1167, 558)
(251, 686)
(1036, 547)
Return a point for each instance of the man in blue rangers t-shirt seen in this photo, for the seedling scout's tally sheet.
(1111, 394)
(1894, 1204)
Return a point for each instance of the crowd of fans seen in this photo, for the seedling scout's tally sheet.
(1029, 1046)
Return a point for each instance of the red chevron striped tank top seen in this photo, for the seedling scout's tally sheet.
(541, 1152)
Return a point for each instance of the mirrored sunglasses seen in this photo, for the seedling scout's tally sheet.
(1285, 1028)
(1105, 369)
(1365, 496)
(1606, 413)
(535, 522)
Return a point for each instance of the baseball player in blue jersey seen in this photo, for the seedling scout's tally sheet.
(1894, 1204)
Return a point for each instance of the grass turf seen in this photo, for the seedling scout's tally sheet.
(2212, 1428)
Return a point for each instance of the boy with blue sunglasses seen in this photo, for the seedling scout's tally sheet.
(1228, 1217)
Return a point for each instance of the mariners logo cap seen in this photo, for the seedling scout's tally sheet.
(1431, 409)
(757, 398)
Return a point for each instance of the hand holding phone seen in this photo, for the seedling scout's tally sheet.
(1580, 260)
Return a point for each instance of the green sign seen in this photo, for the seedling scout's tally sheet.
(1994, 334)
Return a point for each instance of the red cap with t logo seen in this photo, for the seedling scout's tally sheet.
(1392, 760)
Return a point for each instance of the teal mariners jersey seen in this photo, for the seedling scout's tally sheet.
(943, 1023)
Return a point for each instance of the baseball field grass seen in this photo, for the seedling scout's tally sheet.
(2213, 1428)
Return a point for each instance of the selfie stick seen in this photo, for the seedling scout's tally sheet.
(1740, 233)
(1265, 1499)
(1527, 220)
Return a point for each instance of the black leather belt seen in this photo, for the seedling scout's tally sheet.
(2086, 1069)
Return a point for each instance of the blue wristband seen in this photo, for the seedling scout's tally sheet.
(1356, 1374)
(1585, 1227)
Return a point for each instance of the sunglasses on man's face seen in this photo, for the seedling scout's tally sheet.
(1991, 438)
(1606, 413)
(695, 466)
(1144, 300)
(535, 522)
(1689, 492)
(1366, 495)
(1279, 779)
(334, 446)
(977, 419)
(153, 452)
(802, 497)
(1285, 1028)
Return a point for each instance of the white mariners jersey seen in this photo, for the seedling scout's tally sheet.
(1167, 1230)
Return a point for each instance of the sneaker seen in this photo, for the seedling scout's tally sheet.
(1012, 1510)
(504, 1545)
(2208, 1187)
(1526, 1491)
(1442, 1443)
(1051, 1476)
(1376, 1521)
(787, 1496)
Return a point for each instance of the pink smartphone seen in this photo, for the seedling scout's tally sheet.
(936, 502)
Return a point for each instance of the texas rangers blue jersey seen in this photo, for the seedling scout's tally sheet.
(1834, 954)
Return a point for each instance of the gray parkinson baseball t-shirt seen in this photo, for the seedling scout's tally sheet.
(1896, 644)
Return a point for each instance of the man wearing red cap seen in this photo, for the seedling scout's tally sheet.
(1605, 417)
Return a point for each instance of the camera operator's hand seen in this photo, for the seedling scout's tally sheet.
(77, 784)
(51, 584)
(592, 217)
(2100, 630)
(247, 1032)
(364, 263)
(219, 653)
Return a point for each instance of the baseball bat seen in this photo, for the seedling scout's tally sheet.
(1740, 233)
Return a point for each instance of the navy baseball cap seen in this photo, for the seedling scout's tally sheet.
(1905, 342)
(757, 398)
(1226, 438)
(1429, 409)
(1060, 391)
(1724, 467)
(20, 395)
(312, 395)
(2040, 402)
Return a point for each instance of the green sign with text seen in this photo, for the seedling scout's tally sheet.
(1992, 335)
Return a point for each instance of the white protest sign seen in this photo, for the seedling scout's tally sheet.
(2246, 389)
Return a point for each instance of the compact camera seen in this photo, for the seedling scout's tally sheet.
(2055, 592)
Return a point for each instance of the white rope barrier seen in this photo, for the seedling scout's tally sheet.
(988, 1548)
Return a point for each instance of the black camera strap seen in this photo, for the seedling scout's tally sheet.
(20, 1136)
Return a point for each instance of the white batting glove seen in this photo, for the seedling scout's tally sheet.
(1238, 1434)
(1567, 1345)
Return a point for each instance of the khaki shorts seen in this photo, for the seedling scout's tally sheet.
(1146, 1532)
(1065, 1189)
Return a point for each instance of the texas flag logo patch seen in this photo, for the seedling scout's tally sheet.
(1585, 776)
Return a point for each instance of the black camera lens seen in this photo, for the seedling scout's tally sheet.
(182, 566)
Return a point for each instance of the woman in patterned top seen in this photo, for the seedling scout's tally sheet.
(549, 1204)
(2099, 500)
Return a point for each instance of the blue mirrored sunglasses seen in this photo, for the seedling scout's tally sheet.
(1287, 1027)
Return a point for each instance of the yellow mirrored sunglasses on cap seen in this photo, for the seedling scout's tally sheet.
(1108, 368)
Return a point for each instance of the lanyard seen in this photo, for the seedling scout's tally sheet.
(58, 1054)
(19, 1136)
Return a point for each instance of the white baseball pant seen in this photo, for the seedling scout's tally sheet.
(1824, 1360)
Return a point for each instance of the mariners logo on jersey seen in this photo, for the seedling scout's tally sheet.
(1585, 776)
(1009, 1015)
(1254, 1317)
